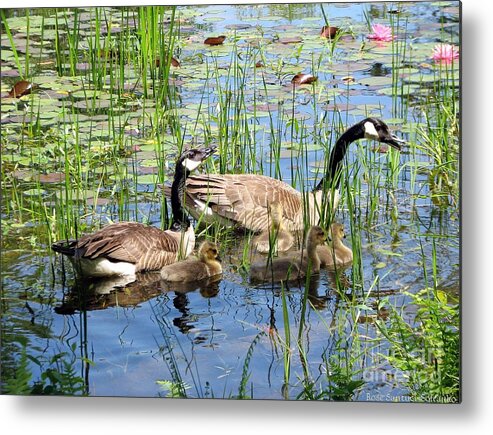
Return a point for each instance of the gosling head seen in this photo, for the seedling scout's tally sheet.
(337, 232)
(376, 129)
(208, 252)
(316, 236)
(191, 159)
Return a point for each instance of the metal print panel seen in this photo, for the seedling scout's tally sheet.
(232, 201)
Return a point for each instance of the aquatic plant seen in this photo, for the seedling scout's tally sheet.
(381, 33)
(445, 53)
(427, 353)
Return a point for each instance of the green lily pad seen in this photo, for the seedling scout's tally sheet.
(147, 179)
(376, 81)
(34, 192)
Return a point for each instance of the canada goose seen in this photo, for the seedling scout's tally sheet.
(242, 199)
(195, 269)
(292, 266)
(125, 248)
(276, 238)
(337, 253)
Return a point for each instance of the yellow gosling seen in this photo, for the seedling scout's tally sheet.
(195, 269)
(336, 254)
(294, 266)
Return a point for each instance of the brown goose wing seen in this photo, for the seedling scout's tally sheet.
(131, 242)
(244, 198)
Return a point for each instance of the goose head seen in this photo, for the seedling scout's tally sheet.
(369, 128)
(376, 129)
(191, 159)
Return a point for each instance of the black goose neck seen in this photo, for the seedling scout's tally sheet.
(333, 177)
(180, 217)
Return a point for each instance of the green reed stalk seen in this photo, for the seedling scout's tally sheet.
(287, 336)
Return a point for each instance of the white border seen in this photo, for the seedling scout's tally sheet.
(52, 415)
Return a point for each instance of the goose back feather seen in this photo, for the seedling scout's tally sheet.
(243, 200)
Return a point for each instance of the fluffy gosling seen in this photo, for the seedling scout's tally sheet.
(294, 266)
(195, 269)
(277, 238)
(336, 254)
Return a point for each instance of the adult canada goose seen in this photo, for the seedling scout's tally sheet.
(276, 238)
(195, 269)
(336, 254)
(125, 248)
(292, 266)
(242, 199)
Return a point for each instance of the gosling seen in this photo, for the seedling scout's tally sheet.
(277, 238)
(336, 254)
(195, 269)
(294, 266)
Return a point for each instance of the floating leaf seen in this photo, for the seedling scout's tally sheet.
(174, 62)
(98, 201)
(34, 192)
(215, 40)
(303, 79)
(376, 81)
(148, 179)
(292, 40)
(21, 88)
(55, 177)
(329, 32)
(238, 26)
(345, 107)
(348, 79)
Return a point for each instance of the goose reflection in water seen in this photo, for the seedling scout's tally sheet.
(100, 294)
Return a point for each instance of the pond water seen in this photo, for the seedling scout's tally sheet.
(96, 137)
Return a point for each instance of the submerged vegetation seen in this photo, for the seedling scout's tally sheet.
(96, 105)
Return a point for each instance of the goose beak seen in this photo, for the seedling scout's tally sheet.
(206, 152)
(394, 141)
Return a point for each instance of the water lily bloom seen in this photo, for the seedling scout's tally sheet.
(381, 33)
(445, 53)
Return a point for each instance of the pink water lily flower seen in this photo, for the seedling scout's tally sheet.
(445, 53)
(381, 33)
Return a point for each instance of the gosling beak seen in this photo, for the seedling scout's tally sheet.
(394, 142)
(218, 258)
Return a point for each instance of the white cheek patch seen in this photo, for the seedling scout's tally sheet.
(370, 131)
(191, 165)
